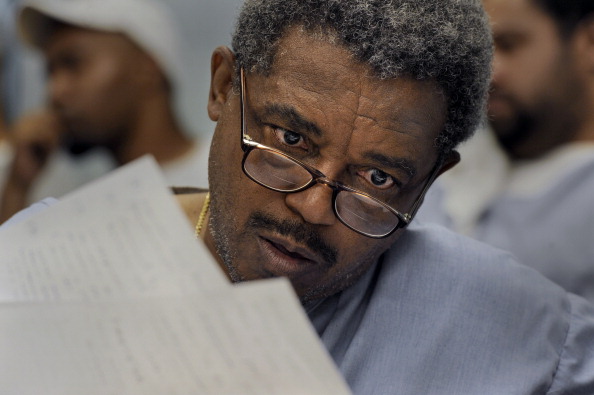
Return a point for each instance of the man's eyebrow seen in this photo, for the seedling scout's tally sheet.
(297, 122)
(292, 117)
(393, 163)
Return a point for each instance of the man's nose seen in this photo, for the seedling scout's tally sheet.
(314, 204)
(58, 86)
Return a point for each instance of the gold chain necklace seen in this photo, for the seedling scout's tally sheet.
(202, 217)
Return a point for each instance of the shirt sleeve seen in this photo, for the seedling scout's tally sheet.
(6, 156)
(28, 212)
(575, 372)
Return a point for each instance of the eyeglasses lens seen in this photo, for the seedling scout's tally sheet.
(357, 211)
(276, 171)
(365, 214)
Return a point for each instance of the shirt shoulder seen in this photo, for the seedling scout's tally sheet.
(575, 371)
(447, 314)
(29, 212)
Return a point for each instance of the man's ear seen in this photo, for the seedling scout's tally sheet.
(222, 69)
(147, 71)
(584, 36)
(450, 161)
(152, 75)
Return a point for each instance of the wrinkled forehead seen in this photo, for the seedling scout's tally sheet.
(309, 49)
(326, 84)
(70, 32)
(328, 63)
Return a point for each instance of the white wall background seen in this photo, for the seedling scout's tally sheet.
(204, 25)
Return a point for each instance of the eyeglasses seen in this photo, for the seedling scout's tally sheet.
(356, 209)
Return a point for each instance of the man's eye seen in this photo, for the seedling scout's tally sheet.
(509, 43)
(71, 60)
(289, 138)
(506, 46)
(378, 178)
(71, 63)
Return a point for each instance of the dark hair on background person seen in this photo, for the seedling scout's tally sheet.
(448, 41)
(567, 13)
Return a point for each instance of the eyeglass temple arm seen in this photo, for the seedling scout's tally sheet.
(417, 204)
(242, 110)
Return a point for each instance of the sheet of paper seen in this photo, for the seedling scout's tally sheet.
(108, 292)
(121, 235)
(253, 340)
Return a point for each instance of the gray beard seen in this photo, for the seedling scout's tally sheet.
(220, 235)
(220, 228)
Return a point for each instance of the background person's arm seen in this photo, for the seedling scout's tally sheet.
(33, 138)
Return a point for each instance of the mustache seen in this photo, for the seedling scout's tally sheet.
(299, 232)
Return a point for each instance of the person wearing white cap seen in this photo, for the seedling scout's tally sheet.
(112, 73)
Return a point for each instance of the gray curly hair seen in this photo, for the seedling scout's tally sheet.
(448, 41)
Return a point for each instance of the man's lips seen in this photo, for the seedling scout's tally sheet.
(286, 257)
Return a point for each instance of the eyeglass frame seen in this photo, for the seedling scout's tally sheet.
(248, 145)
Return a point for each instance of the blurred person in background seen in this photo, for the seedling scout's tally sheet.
(528, 186)
(112, 69)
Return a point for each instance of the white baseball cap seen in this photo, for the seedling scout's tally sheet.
(147, 23)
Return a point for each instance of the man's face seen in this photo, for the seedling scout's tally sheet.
(322, 106)
(93, 83)
(536, 87)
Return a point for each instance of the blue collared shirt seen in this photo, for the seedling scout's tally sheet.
(443, 314)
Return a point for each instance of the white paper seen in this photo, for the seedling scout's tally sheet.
(249, 341)
(108, 292)
(122, 235)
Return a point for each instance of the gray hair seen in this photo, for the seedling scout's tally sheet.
(448, 41)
